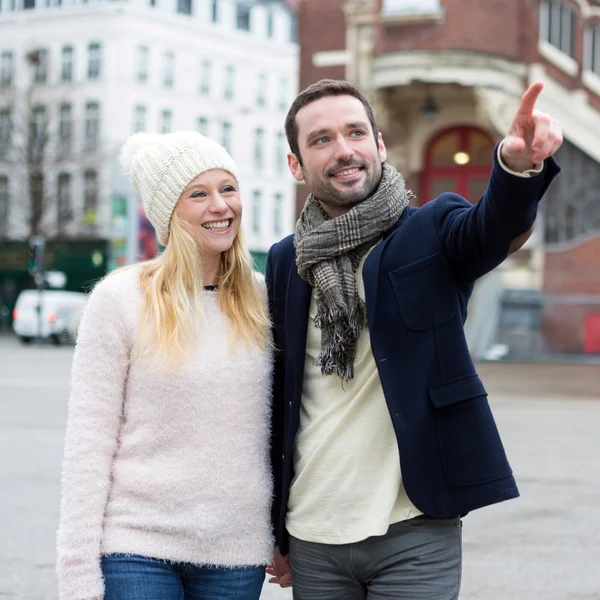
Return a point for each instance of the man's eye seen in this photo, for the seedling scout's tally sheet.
(322, 140)
(357, 133)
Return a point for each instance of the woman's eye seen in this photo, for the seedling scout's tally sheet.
(228, 189)
(198, 194)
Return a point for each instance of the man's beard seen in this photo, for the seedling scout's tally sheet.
(325, 191)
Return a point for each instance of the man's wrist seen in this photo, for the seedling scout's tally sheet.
(518, 168)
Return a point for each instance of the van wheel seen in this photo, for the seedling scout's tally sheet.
(26, 340)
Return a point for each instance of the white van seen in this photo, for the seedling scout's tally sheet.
(60, 313)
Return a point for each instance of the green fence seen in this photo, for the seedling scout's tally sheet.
(82, 261)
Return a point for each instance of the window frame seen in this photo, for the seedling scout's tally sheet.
(94, 70)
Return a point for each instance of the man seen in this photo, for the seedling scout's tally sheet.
(382, 435)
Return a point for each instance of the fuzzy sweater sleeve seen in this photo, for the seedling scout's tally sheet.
(99, 372)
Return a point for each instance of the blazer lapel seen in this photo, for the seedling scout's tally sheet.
(370, 271)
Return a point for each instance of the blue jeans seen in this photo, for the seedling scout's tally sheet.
(131, 577)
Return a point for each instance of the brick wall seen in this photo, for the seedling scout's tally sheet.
(321, 28)
(568, 275)
(493, 26)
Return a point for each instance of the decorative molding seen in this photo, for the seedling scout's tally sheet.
(587, 10)
(469, 69)
(426, 18)
(360, 12)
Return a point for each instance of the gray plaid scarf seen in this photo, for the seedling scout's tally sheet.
(328, 253)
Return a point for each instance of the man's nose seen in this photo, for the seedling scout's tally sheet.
(343, 150)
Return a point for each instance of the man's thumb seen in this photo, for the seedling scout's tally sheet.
(514, 145)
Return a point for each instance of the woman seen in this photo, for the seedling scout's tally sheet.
(166, 485)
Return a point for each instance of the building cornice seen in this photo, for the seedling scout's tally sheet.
(465, 68)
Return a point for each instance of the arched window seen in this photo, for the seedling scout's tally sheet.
(458, 160)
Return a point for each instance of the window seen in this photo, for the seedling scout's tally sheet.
(572, 211)
(557, 25)
(261, 89)
(28, 4)
(5, 131)
(243, 16)
(406, 7)
(229, 82)
(166, 121)
(592, 49)
(256, 210)
(94, 60)
(63, 194)
(205, 73)
(38, 132)
(92, 126)
(270, 22)
(65, 129)
(278, 213)
(184, 7)
(66, 73)
(6, 69)
(280, 153)
(226, 135)
(214, 11)
(202, 125)
(283, 94)
(4, 205)
(139, 118)
(141, 63)
(259, 142)
(90, 197)
(169, 70)
(39, 61)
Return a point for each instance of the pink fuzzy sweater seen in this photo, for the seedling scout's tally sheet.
(168, 466)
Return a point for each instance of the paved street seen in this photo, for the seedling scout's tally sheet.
(544, 545)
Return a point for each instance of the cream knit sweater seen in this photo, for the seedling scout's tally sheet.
(168, 466)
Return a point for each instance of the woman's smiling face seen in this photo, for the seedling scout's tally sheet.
(212, 208)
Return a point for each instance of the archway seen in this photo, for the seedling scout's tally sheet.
(458, 160)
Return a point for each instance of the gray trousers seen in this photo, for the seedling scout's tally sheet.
(418, 559)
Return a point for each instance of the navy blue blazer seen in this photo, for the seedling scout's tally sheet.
(418, 280)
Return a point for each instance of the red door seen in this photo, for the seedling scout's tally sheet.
(458, 160)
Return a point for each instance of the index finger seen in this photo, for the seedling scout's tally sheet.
(530, 98)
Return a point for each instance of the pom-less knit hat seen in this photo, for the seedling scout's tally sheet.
(162, 165)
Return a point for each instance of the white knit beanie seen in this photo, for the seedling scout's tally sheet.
(162, 165)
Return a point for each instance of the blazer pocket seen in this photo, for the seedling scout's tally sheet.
(470, 445)
(424, 292)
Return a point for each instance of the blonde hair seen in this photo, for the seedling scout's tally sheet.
(172, 288)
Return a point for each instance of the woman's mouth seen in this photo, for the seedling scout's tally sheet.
(218, 226)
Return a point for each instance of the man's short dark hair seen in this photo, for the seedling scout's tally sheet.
(316, 91)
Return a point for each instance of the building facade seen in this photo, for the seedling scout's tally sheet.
(77, 78)
(445, 78)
